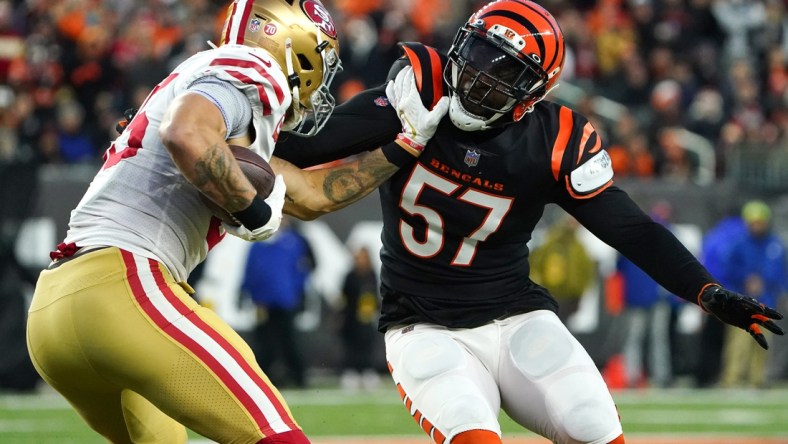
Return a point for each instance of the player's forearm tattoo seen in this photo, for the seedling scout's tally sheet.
(213, 172)
(355, 181)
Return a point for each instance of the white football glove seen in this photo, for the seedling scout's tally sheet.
(275, 200)
(418, 123)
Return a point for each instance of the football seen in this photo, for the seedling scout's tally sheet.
(256, 169)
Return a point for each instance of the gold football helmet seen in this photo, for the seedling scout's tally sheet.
(301, 36)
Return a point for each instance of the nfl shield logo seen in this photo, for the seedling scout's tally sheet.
(382, 101)
(472, 158)
(254, 25)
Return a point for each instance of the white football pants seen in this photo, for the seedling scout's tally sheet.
(455, 380)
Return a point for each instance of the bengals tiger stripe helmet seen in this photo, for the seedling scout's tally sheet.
(301, 36)
(506, 58)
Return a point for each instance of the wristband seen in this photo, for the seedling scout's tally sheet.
(702, 290)
(409, 144)
(396, 154)
(257, 214)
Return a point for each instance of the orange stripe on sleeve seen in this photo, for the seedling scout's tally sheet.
(597, 145)
(564, 131)
(437, 76)
(416, 64)
(588, 131)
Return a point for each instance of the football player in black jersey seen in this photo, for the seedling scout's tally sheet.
(467, 332)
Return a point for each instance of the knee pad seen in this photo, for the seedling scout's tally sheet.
(465, 409)
(476, 437)
(575, 394)
(587, 421)
(437, 371)
(431, 356)
(581, 404)
(540, 347)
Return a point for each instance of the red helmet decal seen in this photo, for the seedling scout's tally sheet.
(270, 29)
(320, 16)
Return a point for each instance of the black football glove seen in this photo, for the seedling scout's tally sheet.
(740, 311)
(127, 116)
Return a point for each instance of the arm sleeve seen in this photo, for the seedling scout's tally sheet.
(617, 220)
(363, 123)
(584, 188)
(232, 103)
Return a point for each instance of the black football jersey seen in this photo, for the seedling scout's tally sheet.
(457, 221)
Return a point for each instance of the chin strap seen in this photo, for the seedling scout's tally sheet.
(292, 78)
(294, 82)
(520, 110)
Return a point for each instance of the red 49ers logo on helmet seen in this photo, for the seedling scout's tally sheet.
(320, 16)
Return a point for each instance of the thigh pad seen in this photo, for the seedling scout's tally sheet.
(432, 355)
(541, 347)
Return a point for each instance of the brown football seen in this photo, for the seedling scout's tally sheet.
(256, 169)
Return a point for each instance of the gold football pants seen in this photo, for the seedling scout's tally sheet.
(139, 359)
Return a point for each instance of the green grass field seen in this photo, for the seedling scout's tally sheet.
(326, 413)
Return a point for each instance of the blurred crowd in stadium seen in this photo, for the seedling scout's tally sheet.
(647, 72)
(718, 68)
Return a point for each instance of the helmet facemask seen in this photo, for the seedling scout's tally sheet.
(488, 75)
(504, 60)
(309, 112)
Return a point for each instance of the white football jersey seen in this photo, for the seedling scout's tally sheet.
(139, 201)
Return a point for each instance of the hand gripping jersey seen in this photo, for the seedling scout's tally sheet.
(139, 201)
(457, 221)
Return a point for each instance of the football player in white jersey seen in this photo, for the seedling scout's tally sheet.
(112, 326)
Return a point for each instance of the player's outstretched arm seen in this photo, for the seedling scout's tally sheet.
(740, 311)
(312, 193)
(618, 221)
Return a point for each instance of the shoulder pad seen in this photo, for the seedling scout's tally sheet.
(252, 71)
(428, 66)
(593, 174)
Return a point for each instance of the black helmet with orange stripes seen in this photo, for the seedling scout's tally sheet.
(505, 58)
